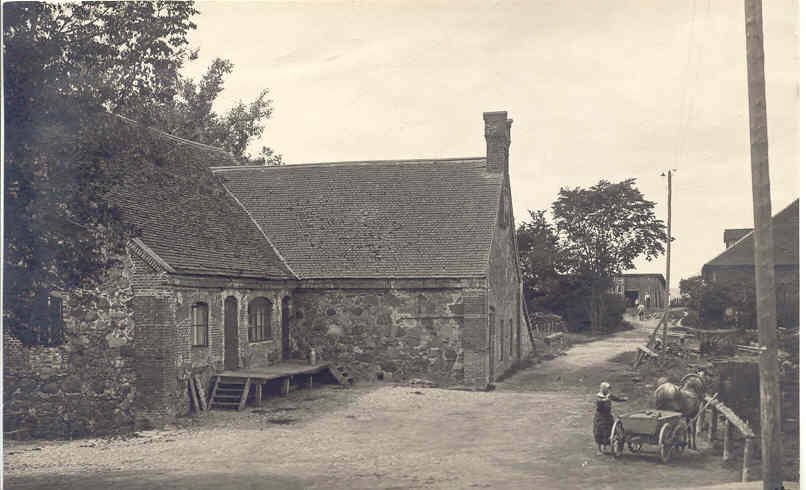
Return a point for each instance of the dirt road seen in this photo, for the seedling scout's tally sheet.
(533, 431)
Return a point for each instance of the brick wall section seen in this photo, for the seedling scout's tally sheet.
(85, 386)
(166, 357)
(404, 333)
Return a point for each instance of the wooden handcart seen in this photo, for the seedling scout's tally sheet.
(662, 428)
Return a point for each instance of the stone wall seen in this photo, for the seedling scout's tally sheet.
(402, 333)
(504, 298)
(86, 386)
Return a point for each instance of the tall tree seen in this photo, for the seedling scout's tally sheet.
(190, 115)
(539, 255)
(602, 230)
(65, 66)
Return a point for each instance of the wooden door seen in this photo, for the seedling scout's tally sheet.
(284, 319)
(231, 333)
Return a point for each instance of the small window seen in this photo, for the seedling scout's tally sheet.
(259, 320)
(200, 324)
(45, 326)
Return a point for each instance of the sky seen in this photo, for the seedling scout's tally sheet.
(597, 90)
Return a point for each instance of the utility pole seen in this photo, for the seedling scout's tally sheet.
(668, 304)
(764, 260)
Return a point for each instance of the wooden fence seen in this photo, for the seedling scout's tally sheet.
(719, 411)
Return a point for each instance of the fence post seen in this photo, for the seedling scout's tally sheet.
(748, 443)
(726, 441)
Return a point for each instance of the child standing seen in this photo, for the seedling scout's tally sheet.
(603, 418)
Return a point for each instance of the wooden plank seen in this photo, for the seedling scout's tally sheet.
(259, 392)
(649, 352)
(213, 392)
(286, 386)
(244, 394)
(731, 416)
(200, 391)
(639, 356)
(193, 398)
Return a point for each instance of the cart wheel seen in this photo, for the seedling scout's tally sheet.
(680, 438)
(617, 439)
(665, 442)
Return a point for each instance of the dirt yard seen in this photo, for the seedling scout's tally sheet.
(533, 431)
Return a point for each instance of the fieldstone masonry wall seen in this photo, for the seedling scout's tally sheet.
(85, 386)
(403, 333)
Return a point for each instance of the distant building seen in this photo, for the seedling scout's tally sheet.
(646, 289)
(737, 262)
(733, 235)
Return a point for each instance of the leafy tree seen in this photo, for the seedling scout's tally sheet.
(66, 66)
(602, 230)
(726, 303)
(538, 251)
(190, 115)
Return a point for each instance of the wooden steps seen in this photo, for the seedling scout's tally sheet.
(230, 392)
(341, 375)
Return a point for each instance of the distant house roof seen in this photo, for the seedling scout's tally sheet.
(733, 234)
(659, 277)
(185, 215)
(397, 218)
(785, 241)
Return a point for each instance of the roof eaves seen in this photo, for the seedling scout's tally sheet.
(262, 232)
(347, 163)
(146, 253)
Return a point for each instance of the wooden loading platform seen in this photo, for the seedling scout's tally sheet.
(233, 388)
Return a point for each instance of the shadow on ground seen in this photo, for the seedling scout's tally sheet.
(134, 480)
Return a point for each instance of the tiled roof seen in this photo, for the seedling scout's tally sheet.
(733, 234)
(785, 239)
(415, 218)
(185, 215)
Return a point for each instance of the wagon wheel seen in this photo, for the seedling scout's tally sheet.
(665, 442)
(679, 438)
(617, 438)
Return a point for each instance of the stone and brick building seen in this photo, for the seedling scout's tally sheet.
(405, 268)
(737, 261)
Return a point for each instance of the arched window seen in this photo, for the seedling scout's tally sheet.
(200, 317)
(259, 319)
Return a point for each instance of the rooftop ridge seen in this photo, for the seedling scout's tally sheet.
(403, 161)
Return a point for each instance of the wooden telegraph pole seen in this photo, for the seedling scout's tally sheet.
(668, 260)
(764, 260)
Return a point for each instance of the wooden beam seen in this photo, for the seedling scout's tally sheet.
(200, 391)
(731, 416)
(258, 393)
(286, 386)
(192, 392)
(244, 393)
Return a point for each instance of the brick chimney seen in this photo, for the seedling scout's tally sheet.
(496, 132)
